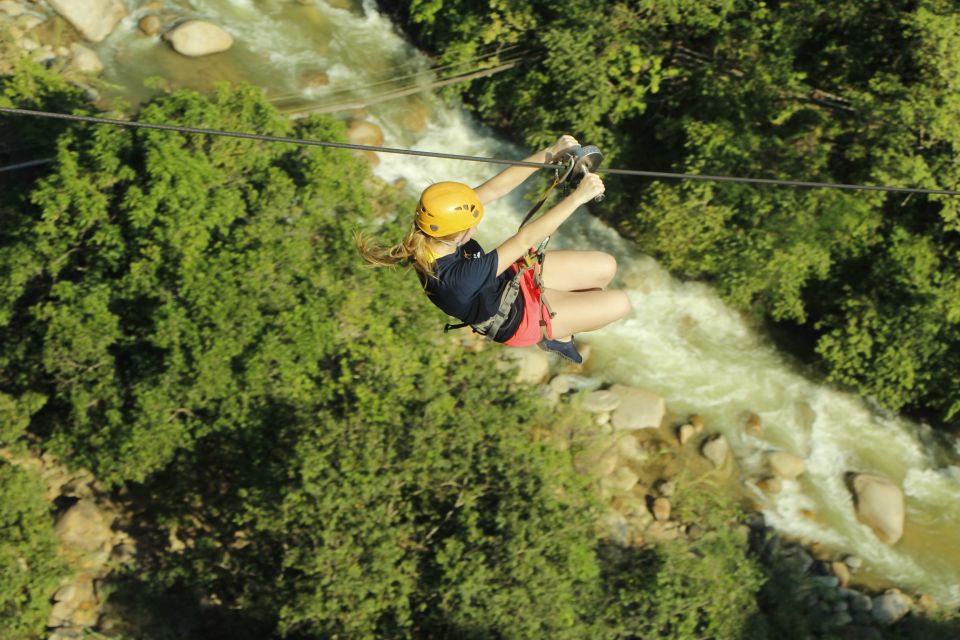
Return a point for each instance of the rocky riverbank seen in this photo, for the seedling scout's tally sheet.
(638, 454)
(90, 541)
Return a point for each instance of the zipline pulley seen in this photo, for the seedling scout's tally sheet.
(577, 162)
(569, 168)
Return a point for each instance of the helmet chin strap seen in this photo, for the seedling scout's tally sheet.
(456, 245)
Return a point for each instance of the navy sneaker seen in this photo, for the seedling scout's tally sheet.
(567, 350)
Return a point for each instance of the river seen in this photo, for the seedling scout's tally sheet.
(682, 341)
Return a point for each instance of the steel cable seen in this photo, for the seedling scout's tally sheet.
(453, 156)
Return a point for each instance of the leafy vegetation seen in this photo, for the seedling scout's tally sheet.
(865, 284)
(187, 317)
(29, 566)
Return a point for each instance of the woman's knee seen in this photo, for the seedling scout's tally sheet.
(606, 268)
(621, 303)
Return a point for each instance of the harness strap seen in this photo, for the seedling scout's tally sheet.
(491, 326)
(532, 260)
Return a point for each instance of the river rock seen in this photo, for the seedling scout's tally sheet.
(842, 571)
(370, 157)
(599, 457)
(560, 384)
(754, 424)
(83, 527)
(94, 19)
(314, 79)
(365, 133)
(665, 487)
(11, 8)
(639, 409)
(27, 44)
(581, 383)
(661, 509)
(84, 60)
(533, 365)
(662, 531)
(860, 601)
(879, 506)
(601, 401)
(786, 466)
(86, 615)
(28, 22)
(150, 25)
(417, 117)
(78, 590)
(697, 422)
(716, 450)
(620, 482)
(630, 449)
(770, 485)
(890, 607)
(853, 563)
(616, 527)
(837, 621)
(196, 38)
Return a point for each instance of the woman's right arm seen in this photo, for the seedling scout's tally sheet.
(534, 232)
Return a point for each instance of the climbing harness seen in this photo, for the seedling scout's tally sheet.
(570, 167)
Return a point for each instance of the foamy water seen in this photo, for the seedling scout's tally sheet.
(682, 341)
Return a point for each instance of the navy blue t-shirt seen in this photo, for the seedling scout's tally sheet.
(467, 287)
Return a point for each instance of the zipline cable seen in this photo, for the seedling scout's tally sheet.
(451, 156)
(26, 165)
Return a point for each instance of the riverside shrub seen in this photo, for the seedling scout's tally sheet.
(30, 568)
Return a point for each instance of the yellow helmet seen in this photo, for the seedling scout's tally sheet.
(448, 207)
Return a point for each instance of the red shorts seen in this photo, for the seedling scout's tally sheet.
(534, 313)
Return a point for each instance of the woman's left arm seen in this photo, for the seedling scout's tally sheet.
(510, 178)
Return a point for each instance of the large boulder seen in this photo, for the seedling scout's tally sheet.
(84, 60)
(599, 456)
(533, 365)
(890, 607)
(879, 506)
(638, 409)
(365, 133)
(786, 466)
(601, 401)
(94, 19)
(620, 482)
(716, 449)
(84, 528)
(198, 38)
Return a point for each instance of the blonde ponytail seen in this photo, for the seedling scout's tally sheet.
(414, 250)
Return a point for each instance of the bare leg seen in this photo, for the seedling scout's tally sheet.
(579, 311)
(578, 270)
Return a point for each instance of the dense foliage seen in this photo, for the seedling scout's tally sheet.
(865, 283)
(187, 317)
(29, 566)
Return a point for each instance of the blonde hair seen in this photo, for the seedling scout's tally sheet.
(413, 251)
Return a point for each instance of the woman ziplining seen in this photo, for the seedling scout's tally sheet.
(513, 295)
